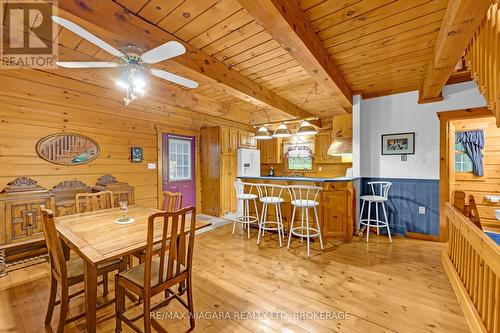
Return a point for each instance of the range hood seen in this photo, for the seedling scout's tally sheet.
(342, 136)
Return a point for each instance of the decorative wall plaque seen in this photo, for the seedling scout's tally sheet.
(67, 149)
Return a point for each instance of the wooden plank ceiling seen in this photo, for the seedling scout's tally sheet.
(379, 46)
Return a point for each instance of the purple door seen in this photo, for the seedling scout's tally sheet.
(179, 169)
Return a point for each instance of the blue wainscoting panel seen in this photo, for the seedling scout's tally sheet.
(405, 197)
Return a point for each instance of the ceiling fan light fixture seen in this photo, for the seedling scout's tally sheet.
(262, 133)
(306, 129)
(282, 131)
(122, 84)
(139, 83)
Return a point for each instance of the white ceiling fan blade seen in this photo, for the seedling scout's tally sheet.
(175, 78)
(87, 35)
(163, 52)
(87, 64)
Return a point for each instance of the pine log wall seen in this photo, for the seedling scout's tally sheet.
(34, 104)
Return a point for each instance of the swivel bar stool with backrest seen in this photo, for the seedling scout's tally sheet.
(305, 197)
(380, 198)
(244, 198)
(271, 194)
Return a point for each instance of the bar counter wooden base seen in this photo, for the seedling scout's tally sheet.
(336, 206)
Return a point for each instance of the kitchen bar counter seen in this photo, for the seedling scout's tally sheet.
(302, 179)
(336, 203)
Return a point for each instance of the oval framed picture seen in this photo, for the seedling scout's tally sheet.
(67, 149)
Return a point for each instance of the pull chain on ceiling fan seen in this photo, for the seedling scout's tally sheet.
(136, 64)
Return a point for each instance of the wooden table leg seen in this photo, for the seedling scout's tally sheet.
(66, 250)
(91, 295)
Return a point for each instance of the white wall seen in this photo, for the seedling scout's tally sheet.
(402, 113)
(356, 130)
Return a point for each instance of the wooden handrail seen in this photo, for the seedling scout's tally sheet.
(482, 58)
(472, 262)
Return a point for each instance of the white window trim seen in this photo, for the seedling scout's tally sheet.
(190, 157)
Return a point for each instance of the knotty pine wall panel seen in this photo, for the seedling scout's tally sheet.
(34, 105)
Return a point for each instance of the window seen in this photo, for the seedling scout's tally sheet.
(463, 163)
(179, 154)
(300, 163)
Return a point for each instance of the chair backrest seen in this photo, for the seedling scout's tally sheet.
(270, 190)
(243, 187)
(56, 254)
(88, 202)
(304, 192)
(175, 240)
(474, 213)
(380, 188)
(172, 201)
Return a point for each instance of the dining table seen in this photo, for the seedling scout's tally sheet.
(96, 238)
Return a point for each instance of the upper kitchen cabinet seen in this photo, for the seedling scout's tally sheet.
(247, 140)
(270, 151)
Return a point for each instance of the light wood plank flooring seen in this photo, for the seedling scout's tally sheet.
(383, 288)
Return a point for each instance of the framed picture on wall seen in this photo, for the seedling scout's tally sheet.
(398, 144)
(136, 154)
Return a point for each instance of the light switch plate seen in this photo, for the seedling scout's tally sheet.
(421, 210)
(151, 166)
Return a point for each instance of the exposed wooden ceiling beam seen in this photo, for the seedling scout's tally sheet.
(461, 20)
(288, 24)
(115, 24)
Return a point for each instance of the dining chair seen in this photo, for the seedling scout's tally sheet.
(66, 273)
(87, 202)
(159, 274)
(172, 201)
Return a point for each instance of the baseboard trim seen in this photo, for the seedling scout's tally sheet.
(418, 235)
(471, 315)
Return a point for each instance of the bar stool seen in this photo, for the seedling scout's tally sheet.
(271, 194)
(244, 199)
(380, 198)
(305, 197)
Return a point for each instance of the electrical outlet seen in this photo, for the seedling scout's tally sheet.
(320, 168)
(151, 166)
(421, 210)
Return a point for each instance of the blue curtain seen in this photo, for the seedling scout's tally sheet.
(473, 142)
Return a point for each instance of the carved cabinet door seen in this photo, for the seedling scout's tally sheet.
(23, 219)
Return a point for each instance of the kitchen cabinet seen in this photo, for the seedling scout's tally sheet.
(218, 170)
(270, 151)
(229, 140)
(323, 142)
(247, 140)
(342, 126)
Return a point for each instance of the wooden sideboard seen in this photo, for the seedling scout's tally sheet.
(121, 191)
(21, 233)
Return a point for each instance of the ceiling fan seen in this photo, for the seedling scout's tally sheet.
(136, 64)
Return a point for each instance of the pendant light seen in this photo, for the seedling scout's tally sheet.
(262, 133)
(282, 132)
(306, 129)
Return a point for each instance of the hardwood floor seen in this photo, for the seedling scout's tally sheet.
(239, 287)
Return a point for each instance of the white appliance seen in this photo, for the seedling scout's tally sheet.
(248, 162)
